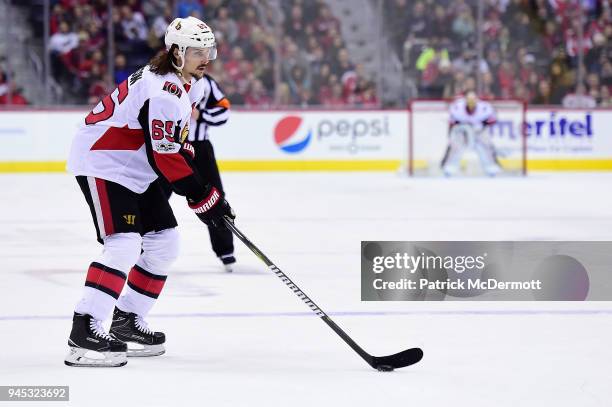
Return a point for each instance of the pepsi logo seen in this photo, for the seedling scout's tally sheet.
(289, 135)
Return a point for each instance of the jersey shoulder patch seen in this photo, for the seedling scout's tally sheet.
(173, 89)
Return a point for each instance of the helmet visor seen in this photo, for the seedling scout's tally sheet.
(210, 53)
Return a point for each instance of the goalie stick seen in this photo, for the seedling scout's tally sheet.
(382, 363)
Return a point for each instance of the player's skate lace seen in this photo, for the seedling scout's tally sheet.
(142, 325)
(97, 329)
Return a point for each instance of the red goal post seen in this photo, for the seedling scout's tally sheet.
(428, 136)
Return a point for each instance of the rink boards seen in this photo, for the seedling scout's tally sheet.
(297, 140)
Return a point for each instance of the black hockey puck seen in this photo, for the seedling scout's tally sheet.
(385, 368)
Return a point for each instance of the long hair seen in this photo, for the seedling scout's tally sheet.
(161, 64)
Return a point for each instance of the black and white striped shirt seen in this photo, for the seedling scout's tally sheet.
(213, 110)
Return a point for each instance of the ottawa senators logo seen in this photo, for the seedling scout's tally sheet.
(173, 89)
(184, 133)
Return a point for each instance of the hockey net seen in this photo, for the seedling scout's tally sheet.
(428, 138)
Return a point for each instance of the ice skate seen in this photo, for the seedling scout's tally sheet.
(132, 329)
(229, 261)
(91, 346)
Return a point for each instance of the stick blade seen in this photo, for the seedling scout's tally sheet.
(398, 360)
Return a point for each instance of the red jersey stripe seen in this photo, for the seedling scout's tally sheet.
(116, 138)
(107, 215)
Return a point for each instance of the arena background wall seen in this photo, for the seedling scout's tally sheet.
(349, 140)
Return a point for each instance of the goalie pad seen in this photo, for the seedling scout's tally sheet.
(465, 136)
(458, 140)
(487, 154)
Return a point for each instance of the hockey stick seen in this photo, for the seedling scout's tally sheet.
(382, 363)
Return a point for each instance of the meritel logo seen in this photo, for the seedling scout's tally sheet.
(551, 127)
(288, 136)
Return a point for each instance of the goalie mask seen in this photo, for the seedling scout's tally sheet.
(471, 100)
(190, 32)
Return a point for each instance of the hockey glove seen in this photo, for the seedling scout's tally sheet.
(212, 208)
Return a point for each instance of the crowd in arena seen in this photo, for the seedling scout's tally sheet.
(530, 48)
(9, 93)
(315, 68)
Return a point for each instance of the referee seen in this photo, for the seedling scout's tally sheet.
(213, 110)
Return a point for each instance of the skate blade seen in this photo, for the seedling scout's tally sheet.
(80, 357)
(137, 350)
(228, 268)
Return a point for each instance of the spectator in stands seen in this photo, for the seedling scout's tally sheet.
(186, 8)
(606, 97)
(63, 41)
(343, 64)
(418, 21)
(544, 95)
(121, 71)
(61, 46)
(283, 97)
(520, 91)
(574, 45)
(466, 62)
(232, 65)
(335, 99)
(257, 96)
(321, 78)
(153, 8)
(226, 28)
(464, 25)
(298, 81)
(97, 85)
(580, 99)
(3, 82)
(233, 94)
(292, 57)
(58, 15)
(367, 95)
(436, 67)
(133, 26)
(505, 77)
(325, 21)
(158, 28)
(294, 25)
(552, 38)
(439, 25)
(306, 98)
(489, 86)
(593, 82)
(606, 72)
(9, 93)
(246, 22)
(434, 52)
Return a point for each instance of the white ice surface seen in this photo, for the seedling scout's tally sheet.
(244, 339)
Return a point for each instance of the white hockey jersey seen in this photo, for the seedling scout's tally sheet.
(135, 134)
(483, 115)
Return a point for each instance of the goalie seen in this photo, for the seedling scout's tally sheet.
(469, 118)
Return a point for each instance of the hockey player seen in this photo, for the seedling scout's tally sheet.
(469, 117)
(213, 110)
(132, 137)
